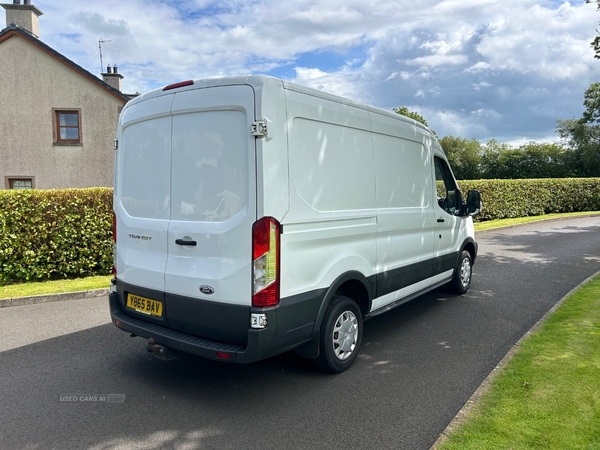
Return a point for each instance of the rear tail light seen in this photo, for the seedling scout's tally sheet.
(114, 233)
(265, 255)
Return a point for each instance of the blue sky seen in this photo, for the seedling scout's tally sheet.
(476, 69)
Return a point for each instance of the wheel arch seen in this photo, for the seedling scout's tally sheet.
(353, 285)
(471, 246)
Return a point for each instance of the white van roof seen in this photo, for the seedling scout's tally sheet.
(257, 81)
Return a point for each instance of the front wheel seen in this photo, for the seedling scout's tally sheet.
(462, 275)
(341, 335)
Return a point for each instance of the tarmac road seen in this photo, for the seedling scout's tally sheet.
(418, 365)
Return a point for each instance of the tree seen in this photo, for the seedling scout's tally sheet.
(584, 141)
(531, 160)
(404, 111)
(582, 135)
(490, 159)
(464, 156)
(591, 101)
(595, 44)
(544, 160)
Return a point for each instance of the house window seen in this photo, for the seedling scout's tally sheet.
(19, 182)
(67, 126)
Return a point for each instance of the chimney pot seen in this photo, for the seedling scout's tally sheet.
(25, 16)
(113, 78)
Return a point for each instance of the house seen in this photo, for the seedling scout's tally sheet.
(58, 120)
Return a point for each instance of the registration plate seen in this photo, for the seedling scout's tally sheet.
(144, 305)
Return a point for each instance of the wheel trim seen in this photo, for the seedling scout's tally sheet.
(465, 272)
(345, 335)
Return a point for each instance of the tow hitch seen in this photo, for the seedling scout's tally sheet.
(162, 352)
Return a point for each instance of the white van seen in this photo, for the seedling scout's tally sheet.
(254, 216)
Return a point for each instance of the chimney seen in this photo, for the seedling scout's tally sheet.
(25, 16)
(113, 78)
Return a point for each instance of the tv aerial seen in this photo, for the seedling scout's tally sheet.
(102, 44)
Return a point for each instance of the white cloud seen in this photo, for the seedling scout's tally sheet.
(437, 60)
(336, 83)
(528, 61)
(478, 67)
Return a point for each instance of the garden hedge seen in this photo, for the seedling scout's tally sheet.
(68, 233)
(51, 234)
(503, 199)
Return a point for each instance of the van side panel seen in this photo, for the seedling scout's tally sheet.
(330, 228)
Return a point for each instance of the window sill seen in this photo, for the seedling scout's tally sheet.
(67, 144)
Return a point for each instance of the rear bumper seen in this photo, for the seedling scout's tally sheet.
(260, 342)
(289, 324)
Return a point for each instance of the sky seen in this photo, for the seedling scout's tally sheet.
(483, 69)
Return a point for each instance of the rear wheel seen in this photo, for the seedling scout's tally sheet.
(462, 275)
(341, 335)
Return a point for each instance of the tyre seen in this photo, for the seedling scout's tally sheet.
(341, 335)
(462, 274)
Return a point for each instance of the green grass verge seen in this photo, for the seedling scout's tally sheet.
(53, 287)
(493, 224)
(548, 395)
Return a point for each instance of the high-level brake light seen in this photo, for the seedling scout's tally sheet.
(178, 85)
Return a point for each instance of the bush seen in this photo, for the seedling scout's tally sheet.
(55, 234)
(503, 199)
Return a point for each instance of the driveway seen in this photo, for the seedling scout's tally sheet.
(419, 364)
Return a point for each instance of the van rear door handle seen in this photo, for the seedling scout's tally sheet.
(185, 242)
(440, 220)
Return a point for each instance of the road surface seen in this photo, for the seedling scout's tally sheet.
(418, 365)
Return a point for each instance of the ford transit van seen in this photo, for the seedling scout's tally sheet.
(255, 216)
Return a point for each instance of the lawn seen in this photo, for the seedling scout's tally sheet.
(53, 287)
(548, 395)
(493, 224)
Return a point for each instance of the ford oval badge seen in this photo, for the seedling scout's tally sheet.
(207, 290)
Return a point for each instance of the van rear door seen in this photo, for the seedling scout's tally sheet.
(212, 209)
(142, 193)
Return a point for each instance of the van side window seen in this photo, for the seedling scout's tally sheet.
(445, 186)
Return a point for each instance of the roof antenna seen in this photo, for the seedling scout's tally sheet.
(100, 44)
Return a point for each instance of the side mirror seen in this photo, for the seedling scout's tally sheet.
(473, 206)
